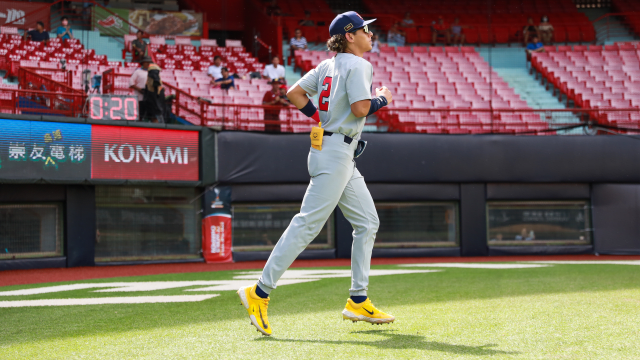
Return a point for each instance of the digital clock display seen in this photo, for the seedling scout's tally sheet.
(113, 107)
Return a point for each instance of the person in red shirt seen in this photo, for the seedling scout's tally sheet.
(274, 99)
(440, 29)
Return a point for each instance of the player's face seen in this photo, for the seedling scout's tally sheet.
(362, 40)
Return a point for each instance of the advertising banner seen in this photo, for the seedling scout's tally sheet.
(13, 13)
(152, 22)
(108, 24)
(44, 150)
(120, 152)
(216, 226)
(185, 23)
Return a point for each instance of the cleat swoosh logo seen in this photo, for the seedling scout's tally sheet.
(370, 312)
(264, 325)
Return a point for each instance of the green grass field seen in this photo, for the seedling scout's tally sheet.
(555, 312)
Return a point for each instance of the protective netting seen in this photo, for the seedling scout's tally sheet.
(522, 223)
(259, 227)
(145, 222)
(30, 230)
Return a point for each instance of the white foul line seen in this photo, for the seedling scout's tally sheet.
(107, 300)
(477, 265)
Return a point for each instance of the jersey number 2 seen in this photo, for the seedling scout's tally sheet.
(325, 93)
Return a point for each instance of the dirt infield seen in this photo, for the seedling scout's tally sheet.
(20, 277)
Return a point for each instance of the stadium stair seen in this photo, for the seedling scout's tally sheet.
(103, 45)
(620, 32)
(511, 64)
(529, 89)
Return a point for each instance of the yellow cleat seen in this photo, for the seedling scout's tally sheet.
(256, 307)
(365, 311)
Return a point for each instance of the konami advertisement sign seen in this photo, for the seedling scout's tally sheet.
(129, 153)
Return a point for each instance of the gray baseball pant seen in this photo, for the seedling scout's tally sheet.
(334, 181)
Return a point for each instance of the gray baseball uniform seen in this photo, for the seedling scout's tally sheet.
(342, 81)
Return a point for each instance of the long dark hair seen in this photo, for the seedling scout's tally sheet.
(337, 43)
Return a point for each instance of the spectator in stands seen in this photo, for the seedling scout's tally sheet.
(395, 35)
(138, 80)
(407, 21)
(273, 98)
(457, 36)
(283, 94)
(39, 34)
(226, 81)
(545, 29)
(529, 31)
(535, 46)
(298, 42)
(274, 9)
(440, 30)
(64, 31)
(215, 70)
(526, 235)
(154, 99)
(307, 20)
(138, 46)
(375, 44)
(274, 70)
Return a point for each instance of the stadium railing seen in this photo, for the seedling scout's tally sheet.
(229, 116)
(609, 26)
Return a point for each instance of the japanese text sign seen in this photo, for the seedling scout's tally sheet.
(44, 150)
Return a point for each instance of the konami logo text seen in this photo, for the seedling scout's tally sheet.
(131, 153)
(127, 153)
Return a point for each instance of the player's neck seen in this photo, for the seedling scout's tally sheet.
(355, 52)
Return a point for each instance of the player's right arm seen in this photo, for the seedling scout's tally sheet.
(361, 108)
(359, 91)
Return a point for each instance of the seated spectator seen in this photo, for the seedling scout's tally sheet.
(407, 21)
(396, 35)
(457, 36)
(138, 80)
(527, 236)
(273, 98)
(440, 30)
(545, 29)
(274, 71)
(38, 34)
(307, 20)
(375, 44)
(138, 46)
(273, 9)
(298, 42)
(535, 46)
(64, 31)
(226, 81)
(215, 71)
(529, 31)
(283, 94)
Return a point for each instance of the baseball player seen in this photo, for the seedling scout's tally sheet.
(344, 86)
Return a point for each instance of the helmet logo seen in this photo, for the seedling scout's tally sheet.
(348, 27)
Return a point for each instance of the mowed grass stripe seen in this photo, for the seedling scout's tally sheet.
(559, 312)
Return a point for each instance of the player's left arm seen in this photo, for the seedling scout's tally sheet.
(297, 94)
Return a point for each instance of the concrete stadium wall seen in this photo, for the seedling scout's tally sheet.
(469, 170)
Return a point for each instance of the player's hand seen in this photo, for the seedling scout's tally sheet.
(383, 91)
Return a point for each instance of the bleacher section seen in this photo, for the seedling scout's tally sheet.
(505, 24)
(596, 77)
(293, 12)
(631, 13)
(436, 78)
(15, 53)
